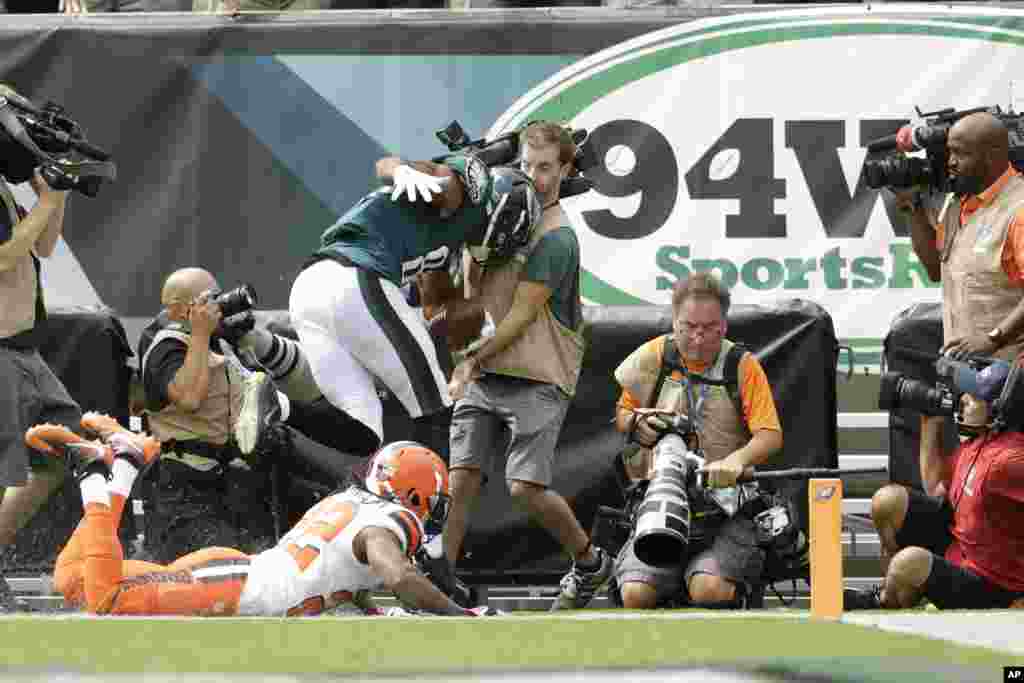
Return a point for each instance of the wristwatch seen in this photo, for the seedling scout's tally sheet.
(996, 335)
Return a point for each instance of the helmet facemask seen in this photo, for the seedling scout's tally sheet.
(513, 211)
(412, 475)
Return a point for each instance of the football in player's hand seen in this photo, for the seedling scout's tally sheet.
(465, 321)
(458, 324)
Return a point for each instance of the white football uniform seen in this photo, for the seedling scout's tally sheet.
(313, 567)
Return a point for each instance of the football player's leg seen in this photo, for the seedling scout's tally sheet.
(397, 348)
(324, 300)
(218, 577)
(286, 362)
(207, 582)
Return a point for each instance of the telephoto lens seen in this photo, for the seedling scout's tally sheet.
(663, 518)
(238, 300)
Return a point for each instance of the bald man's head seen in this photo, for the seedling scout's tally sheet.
(183, 286)
(982, 129)
(979, 153)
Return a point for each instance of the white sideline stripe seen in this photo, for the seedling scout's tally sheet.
(863, 420)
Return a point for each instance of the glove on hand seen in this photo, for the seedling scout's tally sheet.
(410, 181)
(484, 611)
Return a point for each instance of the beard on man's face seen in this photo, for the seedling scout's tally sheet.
(967, 185)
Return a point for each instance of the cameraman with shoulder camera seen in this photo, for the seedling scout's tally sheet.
(215, 417)
(737, 425)
(959, 544)
(31, 392)
(514, 390)
(976, 246)
(45, 147)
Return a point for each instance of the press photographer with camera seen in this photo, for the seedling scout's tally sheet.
(30, 390)
(959, 543)
(219, 420)
(737, 426)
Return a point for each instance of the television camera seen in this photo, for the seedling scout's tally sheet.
(504, 150)
(49, 139)
(929, 133)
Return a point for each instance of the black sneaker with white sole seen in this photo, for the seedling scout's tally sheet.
(578, 587)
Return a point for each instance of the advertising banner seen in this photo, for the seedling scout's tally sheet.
(726, 141)
(736, 144)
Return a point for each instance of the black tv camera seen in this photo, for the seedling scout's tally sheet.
(504, 150)
(930, 134)
(48, 138)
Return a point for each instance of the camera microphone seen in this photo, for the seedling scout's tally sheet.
(910, 138)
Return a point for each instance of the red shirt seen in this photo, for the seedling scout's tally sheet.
(987, 494)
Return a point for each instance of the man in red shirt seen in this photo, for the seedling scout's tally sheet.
(960, 543)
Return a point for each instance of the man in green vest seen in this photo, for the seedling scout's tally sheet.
(513, 392)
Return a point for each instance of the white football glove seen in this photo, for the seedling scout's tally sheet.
(484, 611)
(410, 181)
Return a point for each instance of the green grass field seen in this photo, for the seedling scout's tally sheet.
(619, 639)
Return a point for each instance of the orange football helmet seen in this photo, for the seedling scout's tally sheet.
(413, 476)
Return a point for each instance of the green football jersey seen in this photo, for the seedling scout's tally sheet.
(398, 239)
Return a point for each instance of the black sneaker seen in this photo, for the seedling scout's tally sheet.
(854, 598)
(578, 587)
(260, 410)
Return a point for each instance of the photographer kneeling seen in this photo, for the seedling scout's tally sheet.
(219, 422)
(960, 543)
(737, 426)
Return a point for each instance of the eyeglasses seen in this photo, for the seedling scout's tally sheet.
(707, 329)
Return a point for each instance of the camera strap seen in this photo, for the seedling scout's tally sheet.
(670, 361)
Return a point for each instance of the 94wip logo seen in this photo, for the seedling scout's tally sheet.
(739, 165)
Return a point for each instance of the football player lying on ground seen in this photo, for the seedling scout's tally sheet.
(346, 545)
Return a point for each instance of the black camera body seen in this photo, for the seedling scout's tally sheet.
(898, 391)
(996, 381)
(930, 134)
(48, 138)
(238, 300)
(504, 150)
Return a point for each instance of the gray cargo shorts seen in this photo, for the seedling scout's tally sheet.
(507, 415)
(730, 551)
(29, 394)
